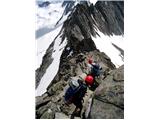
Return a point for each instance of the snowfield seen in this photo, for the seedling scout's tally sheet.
(104, 44)
(47, 29)
(53, 68)
(48, 16)
(43, 43)
(49, 22)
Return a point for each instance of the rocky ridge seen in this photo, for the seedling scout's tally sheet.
(107, 101)
(78, 29)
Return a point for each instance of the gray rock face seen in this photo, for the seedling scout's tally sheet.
(107, 16)
(108, 101)
(68, 6)
(86, 19)
(110, 16)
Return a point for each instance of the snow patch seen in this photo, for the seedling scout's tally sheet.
(70, 54)
(93, 1)
(68, 48)
(104, 44)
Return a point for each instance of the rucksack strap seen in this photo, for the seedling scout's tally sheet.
(83, 90)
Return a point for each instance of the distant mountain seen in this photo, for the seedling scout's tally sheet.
(44, 4)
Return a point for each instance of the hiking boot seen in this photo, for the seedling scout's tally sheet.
(72, 116)
(77, 113)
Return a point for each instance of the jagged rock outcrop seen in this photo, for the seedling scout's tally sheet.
(108, 100)
(68, 6)
(44, 4)
(86, 19)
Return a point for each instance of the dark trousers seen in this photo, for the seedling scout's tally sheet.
(76, 112)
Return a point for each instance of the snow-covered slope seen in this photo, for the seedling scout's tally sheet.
(53, 68)
(49, 21)
(48, 16)
(105, 44)
(47, 27)
(43, 43)
(46, 31)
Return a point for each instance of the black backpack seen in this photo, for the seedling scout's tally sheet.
(96, 69)
(77, 93)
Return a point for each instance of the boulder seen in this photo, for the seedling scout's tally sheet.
(49, 114)
(61, 116)
(108, 100)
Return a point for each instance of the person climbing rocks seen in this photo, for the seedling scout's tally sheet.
(95, 68)
(91, 82)
(74, 94)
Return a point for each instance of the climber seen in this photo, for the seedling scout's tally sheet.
(95, 68)
(89, 80)
(74, 94)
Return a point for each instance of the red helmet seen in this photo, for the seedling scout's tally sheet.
(89, 80)
(90, 61)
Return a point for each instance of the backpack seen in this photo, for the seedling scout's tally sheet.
(95, 69)
(74, 93)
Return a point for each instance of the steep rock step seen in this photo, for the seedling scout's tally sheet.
(108, 99)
